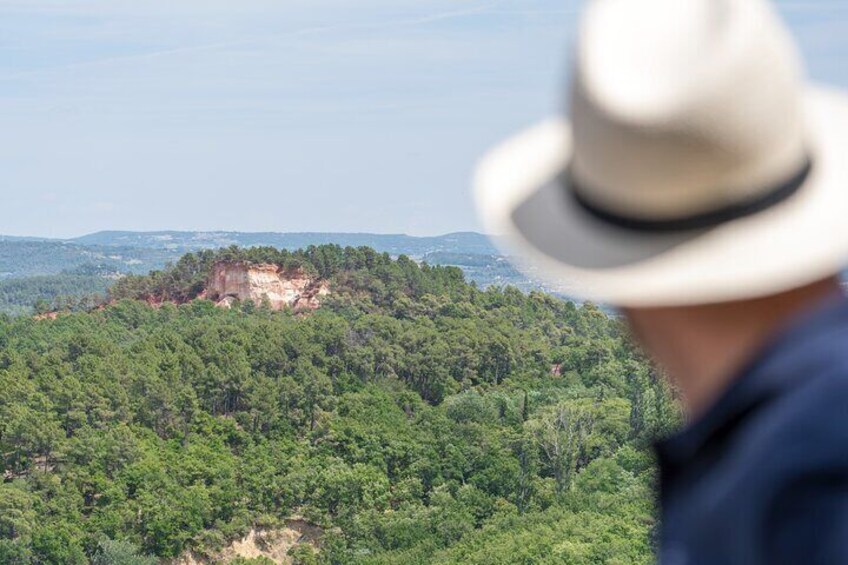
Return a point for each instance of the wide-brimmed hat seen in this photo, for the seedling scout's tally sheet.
(696, 166)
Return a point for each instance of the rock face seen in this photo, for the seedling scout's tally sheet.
(231, 281)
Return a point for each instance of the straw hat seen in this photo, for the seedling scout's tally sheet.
(697, 165)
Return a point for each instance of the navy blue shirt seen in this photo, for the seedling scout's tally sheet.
(762, 477)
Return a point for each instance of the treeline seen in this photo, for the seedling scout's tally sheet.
(34, 258)
(359, 270)
(67, 291)
(414, 418)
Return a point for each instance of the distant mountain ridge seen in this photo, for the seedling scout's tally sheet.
(395, 244)
(140, 252)
(24, 238)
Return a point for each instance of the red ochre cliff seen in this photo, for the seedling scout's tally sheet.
(264, 283)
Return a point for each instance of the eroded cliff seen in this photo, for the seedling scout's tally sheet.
(261, 283)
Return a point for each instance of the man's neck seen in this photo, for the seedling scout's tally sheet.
(702, 348)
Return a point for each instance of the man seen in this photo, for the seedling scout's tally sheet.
(702, 188)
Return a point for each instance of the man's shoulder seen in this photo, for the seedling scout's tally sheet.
(783, 470)
(805, 510)
(803, 385)
(810, 419)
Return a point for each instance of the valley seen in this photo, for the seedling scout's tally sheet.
(404, 416)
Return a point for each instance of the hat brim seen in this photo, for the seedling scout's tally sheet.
(534, 220)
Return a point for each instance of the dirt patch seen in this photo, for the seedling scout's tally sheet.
(46, 316)
(273, 544)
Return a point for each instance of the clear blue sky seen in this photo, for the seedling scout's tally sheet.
(283, 115)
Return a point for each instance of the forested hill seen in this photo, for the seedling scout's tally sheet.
(353, 272)
(412, 418)
(60, 272)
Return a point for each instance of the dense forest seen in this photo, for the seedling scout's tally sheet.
(34, 258)
(413, 418)
(66, 291)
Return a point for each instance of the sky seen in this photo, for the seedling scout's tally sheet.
(284, 115)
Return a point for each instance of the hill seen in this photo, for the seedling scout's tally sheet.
(40, 270)
(413, 418)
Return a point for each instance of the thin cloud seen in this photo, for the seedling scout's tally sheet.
(424, 20)
(315, 30)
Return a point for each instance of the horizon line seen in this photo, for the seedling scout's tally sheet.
(230, 231)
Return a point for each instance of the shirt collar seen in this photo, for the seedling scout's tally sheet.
(762, 378)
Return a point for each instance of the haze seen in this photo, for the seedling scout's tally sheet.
(317, 115)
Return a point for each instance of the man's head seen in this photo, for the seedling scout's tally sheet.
(697, 167)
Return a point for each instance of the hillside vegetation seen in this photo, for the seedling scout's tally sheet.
(68, 291)
(413, 418)
(51, 274)
(36, 258)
